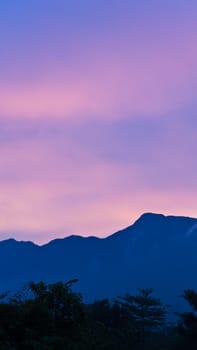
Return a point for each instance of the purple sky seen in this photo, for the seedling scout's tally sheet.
(98, 114)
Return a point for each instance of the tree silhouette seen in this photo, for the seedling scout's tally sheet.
(187, 325)
(146, 314)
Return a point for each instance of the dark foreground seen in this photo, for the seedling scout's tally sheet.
(53, 317)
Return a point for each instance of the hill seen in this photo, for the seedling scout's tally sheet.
(157, 251)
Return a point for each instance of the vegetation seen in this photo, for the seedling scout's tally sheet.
(53, 317)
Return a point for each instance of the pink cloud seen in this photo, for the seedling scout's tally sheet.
(147, 78)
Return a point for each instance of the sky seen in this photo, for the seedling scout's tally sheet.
(98, 114)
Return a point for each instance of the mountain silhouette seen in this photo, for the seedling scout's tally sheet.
(157, 251)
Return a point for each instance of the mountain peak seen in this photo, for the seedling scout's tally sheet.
(151, 215)
(149, 218)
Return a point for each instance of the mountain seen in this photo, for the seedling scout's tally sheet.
(157, 251)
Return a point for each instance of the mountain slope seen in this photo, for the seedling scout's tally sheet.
(156, 251)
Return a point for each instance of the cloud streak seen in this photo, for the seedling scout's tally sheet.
(140, 70)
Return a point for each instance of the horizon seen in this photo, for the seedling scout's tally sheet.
(62, 237)
(97, 115)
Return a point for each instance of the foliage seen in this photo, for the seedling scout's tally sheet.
(52, 317)
(145, 314)
(187, 325)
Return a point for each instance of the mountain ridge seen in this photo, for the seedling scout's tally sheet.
(156, 252)
(146, 215)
